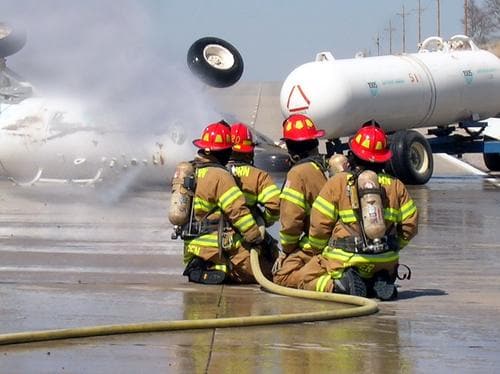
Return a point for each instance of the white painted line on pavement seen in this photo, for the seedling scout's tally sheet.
(462, 164)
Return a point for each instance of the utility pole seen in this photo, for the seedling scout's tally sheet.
(390, 29)
(438, 17)
(419, 11)
(403, 15)
(377, 43)
(466, 20)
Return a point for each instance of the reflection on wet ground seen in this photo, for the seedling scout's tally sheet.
(68, 259)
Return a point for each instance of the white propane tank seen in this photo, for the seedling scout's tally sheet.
(445, 82)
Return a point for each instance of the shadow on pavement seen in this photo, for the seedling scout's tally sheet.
(410, 294)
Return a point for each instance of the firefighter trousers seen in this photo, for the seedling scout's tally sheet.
(320, 272)
(291, 272)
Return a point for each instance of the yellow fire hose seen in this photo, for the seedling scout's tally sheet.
(364, 307)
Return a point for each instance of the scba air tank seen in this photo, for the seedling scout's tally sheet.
(181, 198)
(370, 201)
(445, 82)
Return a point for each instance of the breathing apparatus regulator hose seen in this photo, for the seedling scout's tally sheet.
(363, 307)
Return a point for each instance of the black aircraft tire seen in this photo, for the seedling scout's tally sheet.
(492, 161)
(412, 160)
(12, 42)
(226, 67)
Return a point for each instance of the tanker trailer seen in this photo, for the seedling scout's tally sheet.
(446, 85)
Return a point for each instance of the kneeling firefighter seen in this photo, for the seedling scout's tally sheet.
(360, 221)
(259, 189)
(218, 229)
(302, 185)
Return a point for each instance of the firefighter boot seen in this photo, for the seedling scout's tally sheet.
(197, 271)
(384, 287)
(351, 284)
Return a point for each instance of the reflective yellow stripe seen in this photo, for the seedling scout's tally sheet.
(294, 197)
(208, 240)
(219, 267)
(201, 172)
(347, 216)
(286, 239)
(353, 259)
(326, 208)
(270, 217)
(229, 197)
(250, 198)
(391, 214)
(203, 205)
(318, 242)
(245, 222)
(304, 243)
(407, 210)
(268, 193)
(322, 283)
(402, 243)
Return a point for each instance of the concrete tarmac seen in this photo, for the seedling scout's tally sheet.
(73, 256)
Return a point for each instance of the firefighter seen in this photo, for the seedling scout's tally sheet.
(302, 185)
(259, 189)
(224, 226)
(359, 240)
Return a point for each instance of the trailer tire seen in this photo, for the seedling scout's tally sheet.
(215, 61)
(412, 160)
(11, 40)
(492, 161)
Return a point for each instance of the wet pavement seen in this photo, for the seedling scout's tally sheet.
(73, 256)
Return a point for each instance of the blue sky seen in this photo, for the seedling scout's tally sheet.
(273, 36)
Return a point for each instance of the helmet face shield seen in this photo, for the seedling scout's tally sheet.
(298, 127)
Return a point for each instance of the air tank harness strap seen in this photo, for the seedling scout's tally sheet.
(355, 245)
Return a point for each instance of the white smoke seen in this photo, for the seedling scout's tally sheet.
(110, 56)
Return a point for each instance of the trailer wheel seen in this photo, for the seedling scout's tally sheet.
(215, 61)
(11, 40)
(492, 161)
(412, 160)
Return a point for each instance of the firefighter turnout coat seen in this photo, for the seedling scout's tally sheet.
(333, 220)
(302, 185)
(258, 188)
(217, 193)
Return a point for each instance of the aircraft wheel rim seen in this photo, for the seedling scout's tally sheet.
(218, 57)
(419, 158)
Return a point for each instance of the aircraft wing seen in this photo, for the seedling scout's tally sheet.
(254, 103)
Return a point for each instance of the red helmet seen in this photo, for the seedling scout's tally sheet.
(242, 138)
(370, 143)
(299, 127)
(215, 137)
